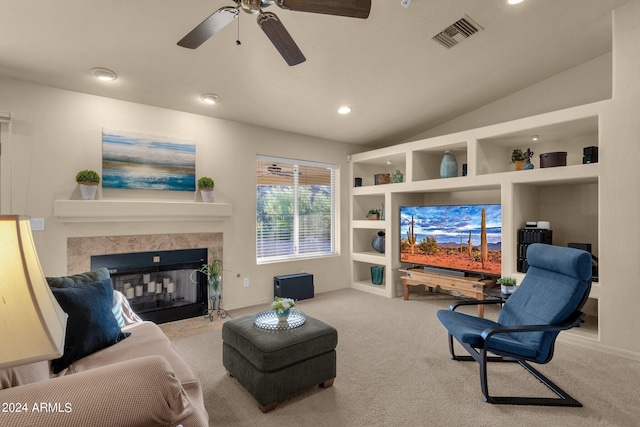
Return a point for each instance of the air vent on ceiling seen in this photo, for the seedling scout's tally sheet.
(458, 31)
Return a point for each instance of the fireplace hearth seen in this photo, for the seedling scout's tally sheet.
(161, 286)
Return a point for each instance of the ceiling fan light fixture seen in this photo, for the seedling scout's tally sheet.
(103, 74)
(250, 6)
(210, 98)
(344, 110)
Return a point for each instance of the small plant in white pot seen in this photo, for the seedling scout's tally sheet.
(88, 181)
(206, 185)
(507, 285)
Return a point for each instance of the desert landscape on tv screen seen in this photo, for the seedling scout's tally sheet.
(466, 238)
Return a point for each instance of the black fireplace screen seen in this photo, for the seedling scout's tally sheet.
(161, 286)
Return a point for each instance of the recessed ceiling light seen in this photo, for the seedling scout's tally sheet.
(514, 1)
(535, 138)
(209, 98)
(344, 110)
(104, 74)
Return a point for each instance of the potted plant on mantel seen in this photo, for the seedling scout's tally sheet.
(507, 285)
(517, 158)
(206, 185)
(88, 181)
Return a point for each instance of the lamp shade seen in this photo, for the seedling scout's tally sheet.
(32, 324)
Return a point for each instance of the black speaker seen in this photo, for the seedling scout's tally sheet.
(527, 236)
(295, 286)
(590, 155)
(583, 246)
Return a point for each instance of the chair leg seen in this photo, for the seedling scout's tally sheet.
(482, 357)
(563, 399)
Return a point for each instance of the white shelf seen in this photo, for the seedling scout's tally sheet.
(567, 196)
(70, 211)
(374, 224)
(370, 287)
(370, 257)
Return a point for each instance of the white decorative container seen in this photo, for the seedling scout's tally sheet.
(507, 290)
(88, 191)
(207, 195)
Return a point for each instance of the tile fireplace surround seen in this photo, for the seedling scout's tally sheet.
(80, 249)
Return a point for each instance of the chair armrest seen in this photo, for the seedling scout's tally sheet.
(457, 304)
(139, 392)
(570, 323)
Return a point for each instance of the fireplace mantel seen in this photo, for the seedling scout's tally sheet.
(138, 210)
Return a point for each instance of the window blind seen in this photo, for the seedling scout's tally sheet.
(296, 209)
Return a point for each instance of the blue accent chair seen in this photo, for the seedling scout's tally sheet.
(548, 301)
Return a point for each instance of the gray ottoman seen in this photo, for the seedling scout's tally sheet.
(273, 365)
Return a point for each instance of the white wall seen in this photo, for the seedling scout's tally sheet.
(619, 196)
(56, 133)
(584, 84)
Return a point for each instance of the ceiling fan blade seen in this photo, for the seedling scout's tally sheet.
(349, 8)
(279, 36)
(207, 28)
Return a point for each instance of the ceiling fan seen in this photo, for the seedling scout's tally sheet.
(271, 24)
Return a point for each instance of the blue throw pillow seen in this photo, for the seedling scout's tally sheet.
(91, 325)
(78, 279)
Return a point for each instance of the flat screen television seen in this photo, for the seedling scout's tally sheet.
(450, 237)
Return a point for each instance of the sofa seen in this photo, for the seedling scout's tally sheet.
(134, 378)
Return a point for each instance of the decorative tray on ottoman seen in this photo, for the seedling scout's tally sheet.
(269, 320)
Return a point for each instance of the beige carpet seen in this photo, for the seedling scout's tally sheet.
(394, 370)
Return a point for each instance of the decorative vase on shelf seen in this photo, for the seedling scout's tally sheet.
(283, 317)
(397, 176)
(448, 166)
(377, 274)
(378, 242)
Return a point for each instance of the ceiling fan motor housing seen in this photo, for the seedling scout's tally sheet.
(251, 6)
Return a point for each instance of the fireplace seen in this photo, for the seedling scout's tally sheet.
(161, 286)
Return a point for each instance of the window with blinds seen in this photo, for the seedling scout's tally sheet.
(296, 209)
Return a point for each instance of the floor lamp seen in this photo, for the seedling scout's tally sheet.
(32, 324)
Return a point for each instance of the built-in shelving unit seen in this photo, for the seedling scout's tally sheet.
(566, 196)
(138, 210)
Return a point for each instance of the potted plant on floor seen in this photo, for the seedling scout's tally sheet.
(507, 285)
(213, 271)
(206, 185)
(88, 181)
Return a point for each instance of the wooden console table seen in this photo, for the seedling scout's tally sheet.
(466, 286)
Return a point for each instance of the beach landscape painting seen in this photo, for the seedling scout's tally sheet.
(138, 161)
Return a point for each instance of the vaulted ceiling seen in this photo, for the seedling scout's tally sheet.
(387, 68)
